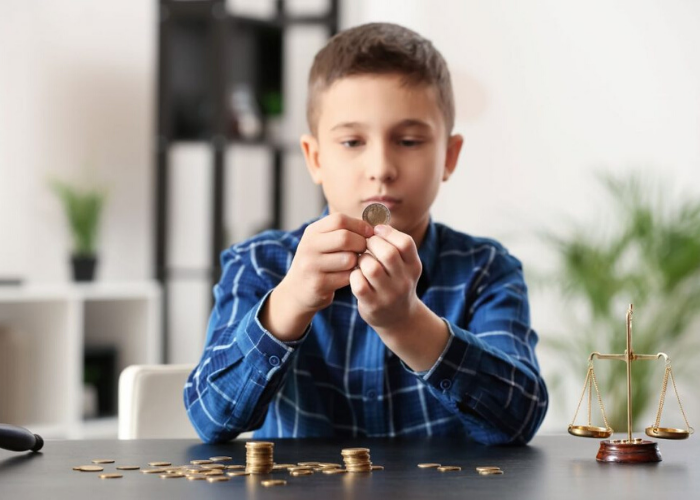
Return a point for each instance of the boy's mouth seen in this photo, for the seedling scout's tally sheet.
(389, 201)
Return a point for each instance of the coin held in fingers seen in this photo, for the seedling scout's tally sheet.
(375, 214)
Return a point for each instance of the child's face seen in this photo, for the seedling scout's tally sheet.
(380, 140)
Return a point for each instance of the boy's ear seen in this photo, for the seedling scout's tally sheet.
(309, 146)
(454, 146)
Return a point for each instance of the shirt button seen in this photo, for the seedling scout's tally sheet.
(371, 394)
(274, 360)
(445, 384)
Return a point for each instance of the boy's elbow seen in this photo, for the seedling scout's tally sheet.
(211, 433)
(208, 431)
(214, 436)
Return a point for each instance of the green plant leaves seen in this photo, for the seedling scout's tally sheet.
(83, 210)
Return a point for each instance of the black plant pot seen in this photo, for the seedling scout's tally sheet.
(84, 267)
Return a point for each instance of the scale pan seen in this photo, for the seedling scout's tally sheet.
(667, 433)
(589, 431)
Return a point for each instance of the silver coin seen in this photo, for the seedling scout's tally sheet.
(375, 214)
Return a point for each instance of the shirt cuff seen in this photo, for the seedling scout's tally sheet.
(261, 348)
(456, 369)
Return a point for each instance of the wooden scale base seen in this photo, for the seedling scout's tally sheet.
(621, 451)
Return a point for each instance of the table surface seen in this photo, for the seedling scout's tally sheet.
(550, 467)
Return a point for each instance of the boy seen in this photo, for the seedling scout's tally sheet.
(342, 329)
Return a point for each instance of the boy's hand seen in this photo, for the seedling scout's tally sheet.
(325, 257)
(385, 286)
(386, 278)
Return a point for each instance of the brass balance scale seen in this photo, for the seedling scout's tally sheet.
(628, 450)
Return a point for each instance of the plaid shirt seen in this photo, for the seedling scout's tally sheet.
(340, 380)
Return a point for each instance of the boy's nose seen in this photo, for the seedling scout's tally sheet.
(381, 167)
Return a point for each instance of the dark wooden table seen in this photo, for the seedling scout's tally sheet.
(556, 467)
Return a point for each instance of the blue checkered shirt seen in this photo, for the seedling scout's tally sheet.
(339, 379)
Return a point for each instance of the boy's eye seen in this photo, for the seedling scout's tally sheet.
(351, 143)
(410, 143)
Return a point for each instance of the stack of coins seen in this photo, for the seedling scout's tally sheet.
(357, 459)
(258, 457)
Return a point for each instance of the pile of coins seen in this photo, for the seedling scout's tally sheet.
(357, 459)
(259, 457)
(489, 471)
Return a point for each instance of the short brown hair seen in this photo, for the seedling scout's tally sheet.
(380, 48)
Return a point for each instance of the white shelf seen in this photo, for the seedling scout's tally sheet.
(44, 330)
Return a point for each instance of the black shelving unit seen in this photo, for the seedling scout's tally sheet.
(203, 51)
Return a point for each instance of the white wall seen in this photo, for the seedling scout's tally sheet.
(76, 102)
(548, 92)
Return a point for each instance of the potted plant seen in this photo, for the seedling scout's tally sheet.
(83, 209)
(650, 256)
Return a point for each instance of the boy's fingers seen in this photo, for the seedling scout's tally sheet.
(334, 222)
(372, 270)
(401, 241)
(336, 281)
(386, 253)
(337, 261)
(359, 285)
(341, 240)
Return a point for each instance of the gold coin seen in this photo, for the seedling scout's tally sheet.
(376, 213)
(490, 472)
(301, 472)
(377, 467)
(259, 444)
(215, 472)
(171, 475)
(213, 466)
(196, 477)
(326, 465)
(448, 468)
(354, 451)
(102, 461)
(200, 462)
(429, 466)
(217, 479)
(238, 473)
(110, 476)
(159, 464)
(91, 468)
(308, 464)
(153, 471)
(273, 482)
(484, 468)
(282, 466)
(128, 467)
(334, 471)
(222, 458)
(235, 467)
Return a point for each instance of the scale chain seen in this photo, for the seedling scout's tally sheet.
(662, 398)
(600, 399)
(588, 385)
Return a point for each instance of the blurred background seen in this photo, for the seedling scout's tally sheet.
(139, 138)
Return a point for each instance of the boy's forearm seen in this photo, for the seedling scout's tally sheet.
(282, 318)
(419, 340)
